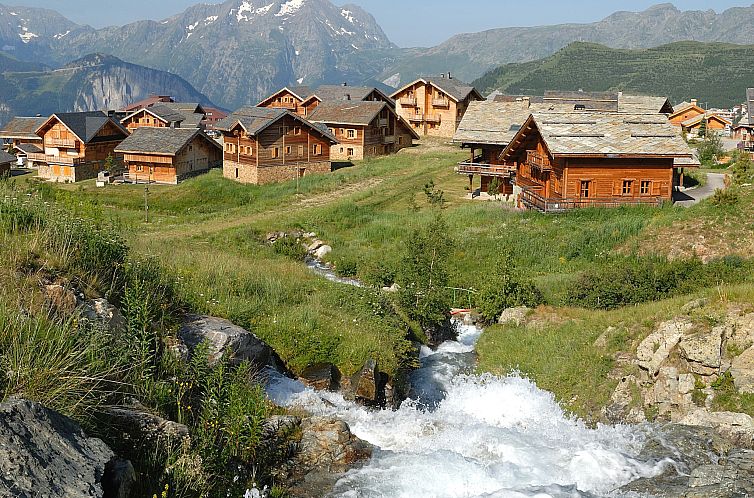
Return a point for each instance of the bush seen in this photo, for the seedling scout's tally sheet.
(347, 266)
(291, 247)
(725, 197)
(710, 149)
(504, 289)
(627, 281)
(377, 274)
(743, 168)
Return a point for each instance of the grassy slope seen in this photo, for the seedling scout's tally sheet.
(209, 229)
(715, 73)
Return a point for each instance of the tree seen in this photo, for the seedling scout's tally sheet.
(504, 288)
(703, 129)
(435, 196)
(493, 188)
(743, 168)
(710, 149)
(423, 275)
(110, 163)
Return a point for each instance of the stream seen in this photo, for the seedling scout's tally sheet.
(466, 435)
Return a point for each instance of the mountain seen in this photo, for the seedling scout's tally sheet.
(715, 73)
(239, 51)
(26, 33)
(471, 55)
(94, 82)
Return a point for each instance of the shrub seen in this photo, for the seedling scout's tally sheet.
(290, 246)
(377, 274)
(725, 197)
(503, 288)
(710, 149)
(347, 266)
(743, 168)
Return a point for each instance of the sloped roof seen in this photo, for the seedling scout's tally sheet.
(301, 92)
(350, 112)
(192, 112)
(607, 134)
(496, 123)
(161, 141)
(166, 113)
(644, 103)
(592, 101)
(23, 128)
(6, 158)
(255, 119)
(457, 90)
(327, 93)
(30, 148)
(85, 125)
(707, 115)
(148, 102)
(501, 97)
(685, 106)
(750, 104)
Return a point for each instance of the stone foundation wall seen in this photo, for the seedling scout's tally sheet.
(246, 173)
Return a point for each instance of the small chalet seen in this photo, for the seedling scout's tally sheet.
(156, 116)
(20, 137)
(435, 106)
(710, 120)
(363, 128)
(302, 100)
(193, 114)
(685, 111)
(744, 130)
(265, 145)
(7, 161)
(486, 129)
(76, 145)
(148, 102)
(168, 155)
(572, 160)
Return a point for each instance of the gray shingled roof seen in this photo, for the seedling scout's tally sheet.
(594, 133)
(165, 113)
(23, 128)
(192, 112)
(351, 112)
(643, 103)
(592, 101)
(496, 123)
(6, 158)
(750, 104)
(457, 90)
(86, 124)
(256, 119)
(30, 148)
(341, 93)
(161, 141)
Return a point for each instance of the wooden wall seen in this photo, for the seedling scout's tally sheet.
(143, 118)
(449, 116)
(607, 176)
(196, 158)
(285, 100)
(687, 114)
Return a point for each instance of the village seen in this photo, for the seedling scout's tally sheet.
(551, 153)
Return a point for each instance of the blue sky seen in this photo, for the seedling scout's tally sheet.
(407, 23)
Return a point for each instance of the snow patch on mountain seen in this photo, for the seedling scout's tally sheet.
(61, 35)
(348, 15)
(290, 7)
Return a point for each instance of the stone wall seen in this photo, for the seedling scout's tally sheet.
(246, 173)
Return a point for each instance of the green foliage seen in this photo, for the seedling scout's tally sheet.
(504, 288)
(435, 196)
(291, 247)
(728, 398)
(347, 265)
(710, 148)
(377, 274)
(725, 197)
(423, 274)
(493, 187)
(743, 168)
(632, 281)
(698, 396)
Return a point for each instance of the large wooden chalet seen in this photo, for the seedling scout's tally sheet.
(744, 130)
(571, 160)
(76, 145)
(363, 128)
(302, 100)
(265, 145)
(435, 106)
(168, 155)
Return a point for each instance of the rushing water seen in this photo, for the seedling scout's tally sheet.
(465, 435)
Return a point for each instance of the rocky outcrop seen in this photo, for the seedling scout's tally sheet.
(742, 369)
(101, 312)
(655, 349)
(322, 377)
(46, 454)
(368, 384)
(223, 337)
(737, 427)
(140, 426)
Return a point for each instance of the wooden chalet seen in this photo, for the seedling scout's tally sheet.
(168, 155)
(571, 160)
(685, 111)
(7, 160)
(148, 102)
(744, 130)
(20, 138)
(76, 145)
(213, 116)
(435, 106)
(290, 99)
(302, 100)
(156, 116)
(265, 145)
(363, 128)
(712, 122)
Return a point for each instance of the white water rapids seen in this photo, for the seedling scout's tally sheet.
(465, 435)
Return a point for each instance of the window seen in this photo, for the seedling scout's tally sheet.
(586, 187)
(300, 150)
(316, 149)
(351, 133)
(342, 131)
(332, 131)
(139, 168)
(628, 186)
(297, 130)
(341, 150)
(236, 172)
(288, 150)
(350, 152)
(400, 140)
(646, 187)
(275, 152)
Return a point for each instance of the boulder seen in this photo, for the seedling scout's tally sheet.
(100, 311)
(140, 425)
(742, 369)
(322, 251)
(742, 335)
(656, 348)
(694, 305)
(322, 377)
(737, 427)
(624, 406)
(514, 316)
(327, 444)
(312, 248)
(61, 298)
(224, 337)
(703, 351)
(119, 478)
(368, 384)
(437, 334)
(47, 454)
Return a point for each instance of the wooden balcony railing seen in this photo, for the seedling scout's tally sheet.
(485, 169)
(432, 118)
(64, 160)
(288, 105)
(416, 118)
(407, 101)
(441, 102)
(71, 143)
(538, 161)
(532, 200)
(747, 145)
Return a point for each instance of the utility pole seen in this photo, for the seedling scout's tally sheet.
(146, 203)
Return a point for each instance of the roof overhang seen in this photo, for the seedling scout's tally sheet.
(147, 110)
(284, 89)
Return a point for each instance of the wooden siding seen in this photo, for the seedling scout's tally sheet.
(430, 111)
(285, 100)
(386, 134)
(196, 158)
(689, 113)
(143, 118)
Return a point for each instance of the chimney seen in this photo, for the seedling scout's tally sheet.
(345, 83)
(347, 96)
(694, 101)
(450, 76)
(442, 75)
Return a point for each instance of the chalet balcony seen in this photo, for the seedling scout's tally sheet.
(416, 118)
(62, 142)
(538, 161)
(432, 118)
(485, 169)
(64, 160)
(440, 102)
(407, 101)
(532, 200)
(747, 145)
(288, 105)
(388, 139)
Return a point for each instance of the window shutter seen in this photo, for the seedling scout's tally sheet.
(617, 187)
(656, 188)
(576, 188)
